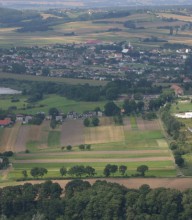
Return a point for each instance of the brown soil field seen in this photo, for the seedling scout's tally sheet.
(133, 183)
(96, 152)
(9, 137)
(22, 138)
(145, 125)
(104, 134)
(72, 132)
(94, 160)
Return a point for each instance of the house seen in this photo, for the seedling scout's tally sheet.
(5, 122)
(177, 89)
(20, 118)
(27, 119)
(59, 118)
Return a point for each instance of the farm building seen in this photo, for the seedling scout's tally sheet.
(177, 89)
(5, 122)
(184, 115)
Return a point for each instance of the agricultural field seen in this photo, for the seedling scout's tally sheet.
(147, 25)
(51, 79)
(135, 143)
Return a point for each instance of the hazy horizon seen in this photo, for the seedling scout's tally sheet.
(89, 3)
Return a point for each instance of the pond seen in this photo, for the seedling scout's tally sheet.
(8, 91)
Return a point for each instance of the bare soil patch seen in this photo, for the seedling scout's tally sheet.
(72, 132)
(134, 183)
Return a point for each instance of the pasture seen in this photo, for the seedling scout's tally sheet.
(109, 144)
(63, 104)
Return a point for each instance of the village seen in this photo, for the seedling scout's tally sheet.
(95, 60)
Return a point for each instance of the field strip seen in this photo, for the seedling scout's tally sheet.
(94, 152)
(94, 160)
(11, 139)
(135, 183)
(51, 79)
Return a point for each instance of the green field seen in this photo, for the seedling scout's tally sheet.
(184, 106)
(63, 104)
(54, 138)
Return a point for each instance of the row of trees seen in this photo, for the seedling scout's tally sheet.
(173, 127)
(101, 200)
(91, 122)
(80, 170)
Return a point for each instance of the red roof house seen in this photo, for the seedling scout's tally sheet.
(5, 122)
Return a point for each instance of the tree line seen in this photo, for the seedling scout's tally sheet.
(173, 128)
(86, 171)
(80, 200)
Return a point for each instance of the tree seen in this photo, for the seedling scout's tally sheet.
(38, 171)
(18, 68)
(110, 169)
(90, 171)
(63, 171)
(95, 121)
(142, 169)
(122, 169)
(53, 112)
(24, 172)
(53, 123)
(45, 71)
(86, 122)
(111, 109)
(82, 147)
(69, 147)
(106, 172)
(179, 160)
(88, 147)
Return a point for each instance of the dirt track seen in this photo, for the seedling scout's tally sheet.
(93, 160)
(175, 183)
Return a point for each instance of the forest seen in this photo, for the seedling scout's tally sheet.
(102, 200)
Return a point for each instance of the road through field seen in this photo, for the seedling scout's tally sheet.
(135, 183)
(84, 160)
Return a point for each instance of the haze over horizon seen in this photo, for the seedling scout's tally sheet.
(89, 3)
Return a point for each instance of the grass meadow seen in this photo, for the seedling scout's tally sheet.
(63, 104)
